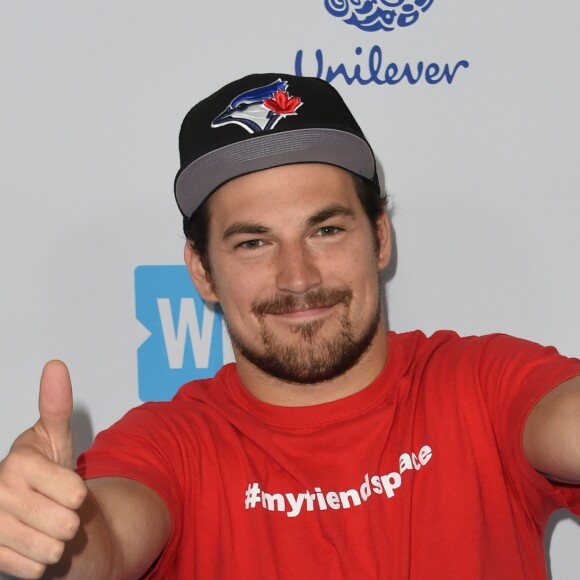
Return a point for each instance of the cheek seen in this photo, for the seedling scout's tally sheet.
(366, 281)
(237, 291)
(359, 266)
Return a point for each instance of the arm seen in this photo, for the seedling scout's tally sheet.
(124, 527)
(551, 438)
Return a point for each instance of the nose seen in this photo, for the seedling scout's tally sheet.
(297, 270)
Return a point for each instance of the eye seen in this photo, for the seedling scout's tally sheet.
(328, 231)
(250, 244)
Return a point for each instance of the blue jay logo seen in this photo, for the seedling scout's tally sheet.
(374, 15)
(260, 109)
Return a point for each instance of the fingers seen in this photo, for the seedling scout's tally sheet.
(34, 526)
(32, 544)
(19, 566)
(38, 515)
(55, 404)
(25, 471)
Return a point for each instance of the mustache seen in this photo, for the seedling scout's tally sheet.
(286, 303)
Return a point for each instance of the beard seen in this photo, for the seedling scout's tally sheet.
(311, 358)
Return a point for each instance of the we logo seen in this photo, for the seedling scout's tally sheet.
(188, 339)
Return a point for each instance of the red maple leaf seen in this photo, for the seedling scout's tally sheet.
(282, 103)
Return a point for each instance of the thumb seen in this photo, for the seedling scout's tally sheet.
(55, 404)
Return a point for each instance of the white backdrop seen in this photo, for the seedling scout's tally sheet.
(483, 173)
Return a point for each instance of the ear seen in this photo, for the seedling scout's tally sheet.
(199, 276)
(383, 233)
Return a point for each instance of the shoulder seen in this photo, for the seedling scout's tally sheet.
(451, 342)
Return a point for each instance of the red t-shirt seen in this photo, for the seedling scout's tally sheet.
(419, 476)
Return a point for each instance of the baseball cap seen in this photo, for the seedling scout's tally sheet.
(262, 121)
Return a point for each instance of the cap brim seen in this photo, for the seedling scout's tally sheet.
(335, 147)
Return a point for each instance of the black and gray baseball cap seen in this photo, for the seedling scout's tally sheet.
(263, 121)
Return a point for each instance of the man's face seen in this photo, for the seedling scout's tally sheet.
(294, 265)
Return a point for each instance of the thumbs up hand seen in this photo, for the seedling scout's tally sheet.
(39, 492)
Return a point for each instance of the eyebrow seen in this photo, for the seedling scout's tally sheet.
(334, 210)
(244, 228)
(255, 228)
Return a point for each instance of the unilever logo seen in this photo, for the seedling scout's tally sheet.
(373, 15)
(370, 64)
(187, 340)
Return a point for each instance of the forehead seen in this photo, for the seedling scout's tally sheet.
(289, 192)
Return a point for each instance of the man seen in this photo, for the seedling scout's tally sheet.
(330, 449)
